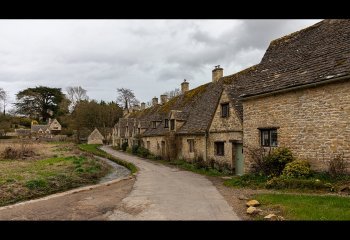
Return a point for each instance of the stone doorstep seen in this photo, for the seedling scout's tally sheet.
(73, 191)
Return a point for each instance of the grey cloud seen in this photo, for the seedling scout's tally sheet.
(148, 56)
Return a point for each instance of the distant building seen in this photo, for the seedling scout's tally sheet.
(53, 127)
(95, 137)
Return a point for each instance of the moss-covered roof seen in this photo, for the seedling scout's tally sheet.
(196, 107)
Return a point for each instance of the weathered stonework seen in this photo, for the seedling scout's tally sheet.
(199, 147)
(228, 130)
(314, 123)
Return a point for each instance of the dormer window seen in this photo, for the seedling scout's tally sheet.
(224, 110)
(154, 124)
(166, 123)
(172, 124)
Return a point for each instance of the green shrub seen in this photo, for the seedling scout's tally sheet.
(36, 184)
(295, 183)
(337, 166)
(128, 150)
(276, 160)
(124, 146)
(134, 149)
(297, 169)
(143, 152)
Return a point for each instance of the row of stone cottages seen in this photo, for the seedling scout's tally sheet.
(298, 97)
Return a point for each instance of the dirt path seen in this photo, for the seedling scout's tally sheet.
(164, 193)
(85, 205)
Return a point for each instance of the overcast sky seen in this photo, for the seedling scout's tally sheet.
(147, 56)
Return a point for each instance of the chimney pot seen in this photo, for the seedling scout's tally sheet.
(163, 98)
(217, 73)
(143, 106)
(155, 101)
(185, 86)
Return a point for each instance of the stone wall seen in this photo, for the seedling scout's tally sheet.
(227, 138)
(199, 147)
(314, 123)
(225, 124)
(155, 144)
(224, 129)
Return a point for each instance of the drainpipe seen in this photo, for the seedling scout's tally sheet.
(206, 146)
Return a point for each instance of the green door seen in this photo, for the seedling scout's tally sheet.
(239, 159)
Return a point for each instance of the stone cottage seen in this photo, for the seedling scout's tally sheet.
(53, 127)
(95, 137)
(296, 97)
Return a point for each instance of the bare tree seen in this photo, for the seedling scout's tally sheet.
(75, 95)
(126, 98)
(4, 98)
(173, 93)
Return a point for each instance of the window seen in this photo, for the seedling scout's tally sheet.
(220, 148)
(166, 123)
(268, 137)
(148, 144)
(154, 124)
(191, 145)
(139, 130)
(172, 124)
(127, 130)
(158, 147)
(224, 110)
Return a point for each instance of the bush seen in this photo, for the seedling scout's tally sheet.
(297, 169)
(124, 146)
(337, 166)
(294, 183)
(143, 152)
(276, 160)
(10, 153)
(134, 149)
(128, 150)
(199, 163)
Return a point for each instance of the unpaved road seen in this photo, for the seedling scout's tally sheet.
(159, 193)
(163, 193)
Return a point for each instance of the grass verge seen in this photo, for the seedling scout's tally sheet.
(307, 207)
(93, 148)
(27, 179)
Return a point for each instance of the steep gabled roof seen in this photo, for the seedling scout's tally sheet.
(196, 107)
(96, 134)
(37, 127)
(312, 55)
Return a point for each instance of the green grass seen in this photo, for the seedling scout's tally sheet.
(317, 182)
(93, 148)
(307, 207)
(191, 167)
(27, 179)
(249, 180)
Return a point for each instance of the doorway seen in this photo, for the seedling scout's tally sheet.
(237, 158)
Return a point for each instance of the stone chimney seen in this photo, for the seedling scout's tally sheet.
(218, 73)
(136, 107)
(163, 98)
(143, 106)
(154, 101)
(184, 86)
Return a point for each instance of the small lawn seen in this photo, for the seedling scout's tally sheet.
(26, 179)
(94, 149)
(307, 207)
(316, 183)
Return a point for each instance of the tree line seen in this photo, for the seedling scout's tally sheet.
(77, 114)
